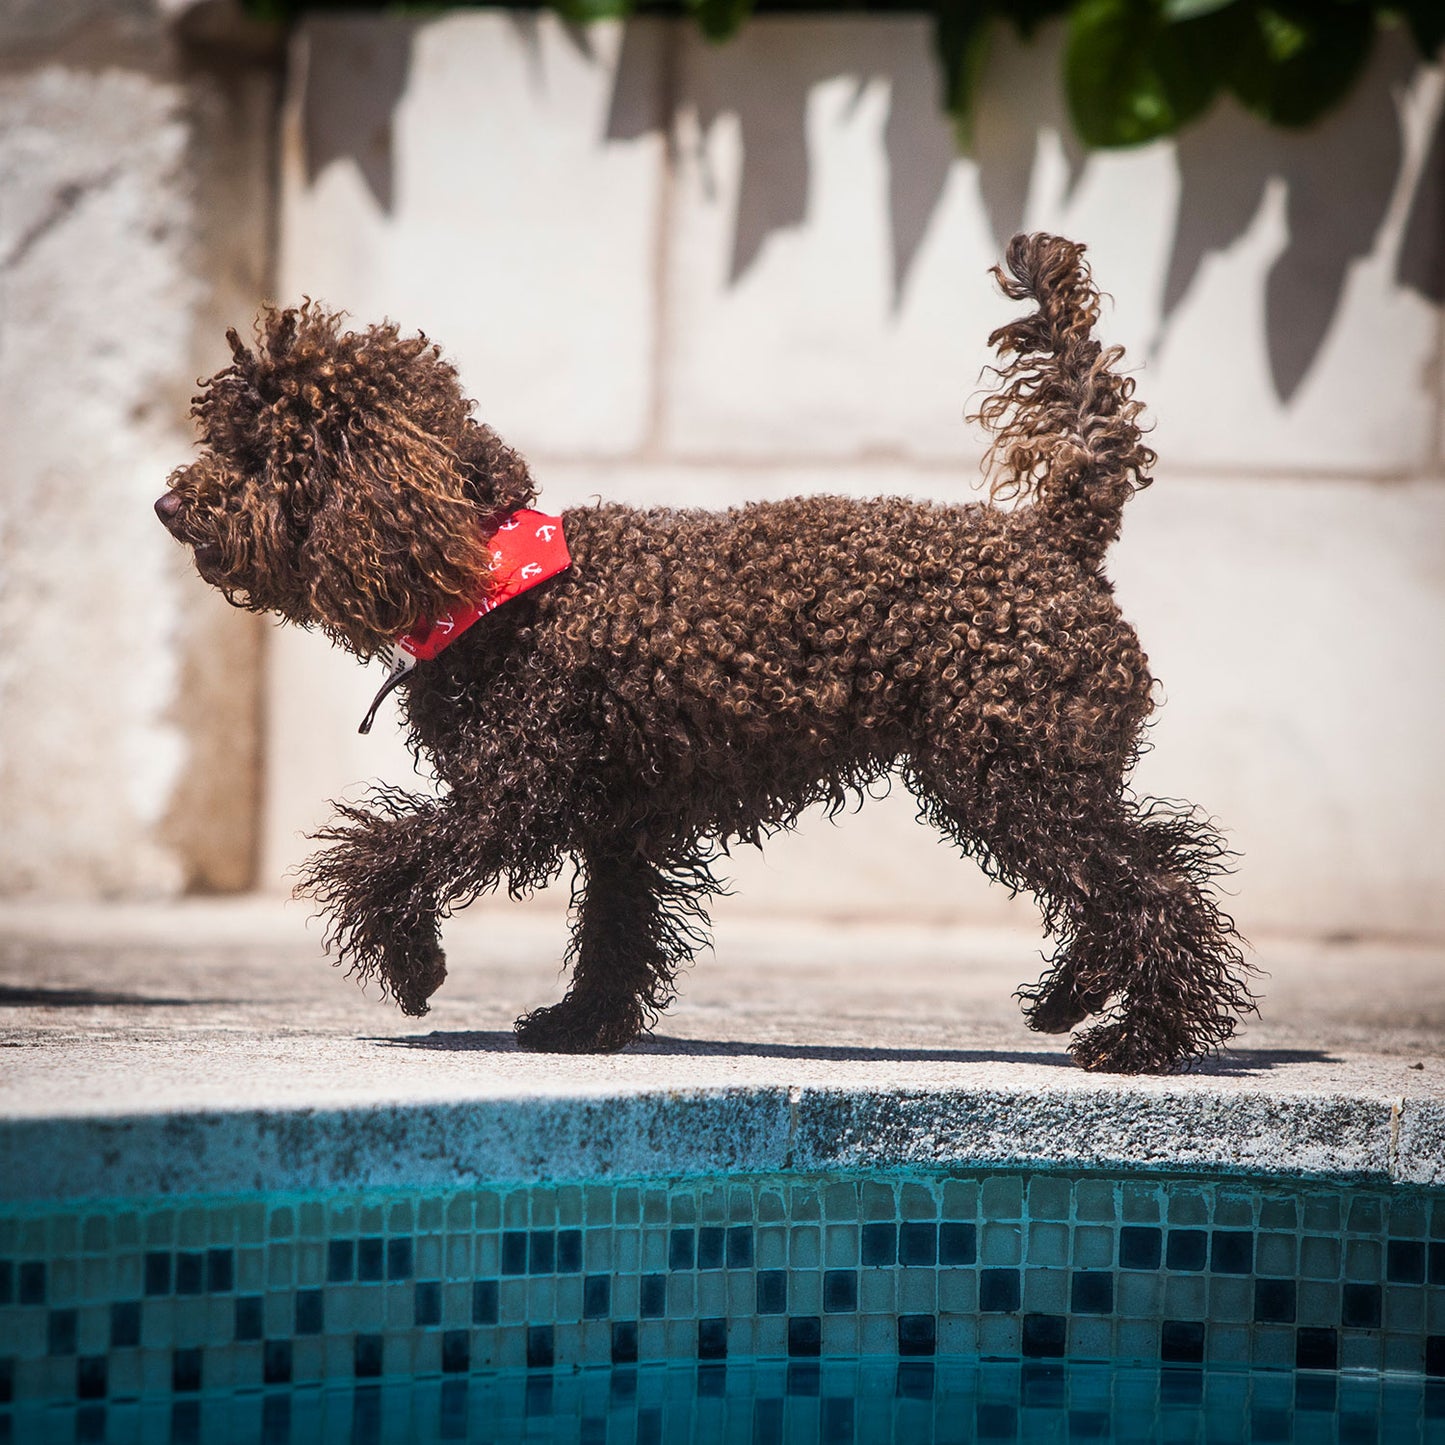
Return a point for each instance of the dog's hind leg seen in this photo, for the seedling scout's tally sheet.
(1125, 889)
(635, 923)
(1169, 953)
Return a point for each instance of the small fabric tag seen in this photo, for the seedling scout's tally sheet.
(398, 664)
(527, 548)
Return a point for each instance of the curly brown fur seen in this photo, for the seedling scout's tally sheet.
(698, 679)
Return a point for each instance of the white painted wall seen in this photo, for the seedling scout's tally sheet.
(677, 272)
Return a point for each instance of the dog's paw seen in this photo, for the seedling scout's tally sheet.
(414, 972)
(1122, 1048)
(571, 1027)
(1056, 1010)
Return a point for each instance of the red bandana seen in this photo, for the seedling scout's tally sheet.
(527, 548)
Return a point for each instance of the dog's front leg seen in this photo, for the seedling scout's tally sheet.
(636, 922)
(390, 871)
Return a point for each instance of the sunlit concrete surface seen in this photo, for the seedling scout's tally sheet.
(210, 1046)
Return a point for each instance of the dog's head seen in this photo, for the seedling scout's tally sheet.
(343, 482)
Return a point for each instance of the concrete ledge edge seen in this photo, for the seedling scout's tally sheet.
(671, 1134)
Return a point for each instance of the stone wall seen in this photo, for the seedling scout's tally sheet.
(136, 178)
(677, 272)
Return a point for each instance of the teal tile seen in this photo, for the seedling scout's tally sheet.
(1096, 1200)
(771, 1247)
(917, 1291)
(1231, 1299)
(1185, 1296)
(1273, 1347)
(1050, 1197)
(712, 1204)
(1093, 1246)
(1139, 1293)
(1319, 1257)
(1322, 1213)
(804, 1247)
(1227, 1345)
(1233, 1209)
(1091, 1339)
(1137, 1340)
(1364, 1260)
(1187, 1205)
(1276, 1255)
(682, 1295)
(917, 1202)
(804, 1202)
(1408, 1217)
(805, 1292)
(840, 1245)
(1367, 1215)
(958, 1290)
(960, 1199)
(999, 1335)
(1048, 1244)
(1000, 1244)
(877, 1291)
(1361, 1350)
(1317, 1304)
(1140, 1203)
(1279, 1214)
(1404, 1309)
(160, 1229)
(1046, 1291)
(1002, 1197)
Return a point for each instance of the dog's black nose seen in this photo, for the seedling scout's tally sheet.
(167, 505)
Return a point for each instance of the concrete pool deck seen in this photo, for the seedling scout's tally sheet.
(208, 1047)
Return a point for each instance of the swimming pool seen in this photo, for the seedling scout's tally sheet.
(911, 1304)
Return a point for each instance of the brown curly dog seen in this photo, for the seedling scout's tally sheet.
(696, 679)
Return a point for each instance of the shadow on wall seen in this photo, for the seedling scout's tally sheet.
(1228, 165)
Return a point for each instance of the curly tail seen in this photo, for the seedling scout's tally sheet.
(1066, 421)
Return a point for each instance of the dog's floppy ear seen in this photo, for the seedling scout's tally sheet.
(366, 442)
(395, 536)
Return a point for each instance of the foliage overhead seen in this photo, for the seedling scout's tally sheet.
(1134, 70)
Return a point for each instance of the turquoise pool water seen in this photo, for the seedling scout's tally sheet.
(948, 1305)
(831, 1402)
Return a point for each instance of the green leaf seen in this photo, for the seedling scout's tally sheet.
(720, 19)
(1177, 10)
(583, 12)
(1295, 59)
(962, 32)
(1131, 76)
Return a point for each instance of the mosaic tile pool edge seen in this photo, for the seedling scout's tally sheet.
(170, 1298)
